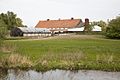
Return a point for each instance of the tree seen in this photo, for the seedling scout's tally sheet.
(100, 23)
(89, 27)
(3, 29)
(19, 22)
(11, 20)
(113, 29)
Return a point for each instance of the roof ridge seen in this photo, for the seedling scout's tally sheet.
(61, 20)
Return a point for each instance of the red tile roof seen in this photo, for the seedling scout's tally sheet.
(58, 23)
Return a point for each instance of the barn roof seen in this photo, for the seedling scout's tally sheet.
(67, 23)
(28, 29)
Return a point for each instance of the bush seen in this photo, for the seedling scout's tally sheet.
(113, 29)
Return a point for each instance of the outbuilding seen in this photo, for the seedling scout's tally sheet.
(25, 31)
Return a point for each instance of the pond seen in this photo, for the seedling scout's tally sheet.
(58, 75)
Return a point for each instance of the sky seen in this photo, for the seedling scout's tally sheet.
(31, 11)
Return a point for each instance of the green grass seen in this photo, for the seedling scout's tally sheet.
(70, 52)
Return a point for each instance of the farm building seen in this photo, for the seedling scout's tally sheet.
(97, 28)
(60, 25)
(66, 25)
(49, 27)
(25, 31)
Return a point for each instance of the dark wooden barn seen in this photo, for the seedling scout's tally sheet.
(16, 32)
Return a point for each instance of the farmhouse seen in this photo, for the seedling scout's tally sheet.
(65, 25)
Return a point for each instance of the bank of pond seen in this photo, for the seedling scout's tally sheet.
(16, 74)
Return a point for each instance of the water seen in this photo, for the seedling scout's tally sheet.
(58, 75)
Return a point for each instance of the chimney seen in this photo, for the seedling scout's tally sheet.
(59, 19)
(72, 18)
(86, 24)
(86, 21)
(48, 19)
(80, 20)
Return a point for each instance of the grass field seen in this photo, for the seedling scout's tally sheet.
(70, 52)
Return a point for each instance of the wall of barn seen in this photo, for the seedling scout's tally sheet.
(37, 35)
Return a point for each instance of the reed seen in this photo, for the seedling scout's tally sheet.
(8, 47)
(15, 60)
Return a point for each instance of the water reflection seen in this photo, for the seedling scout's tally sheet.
(58, 75)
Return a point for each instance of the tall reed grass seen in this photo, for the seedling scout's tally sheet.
(8, 47)
(14, 61)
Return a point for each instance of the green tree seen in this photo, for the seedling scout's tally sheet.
(103, 25)
(113, 29)
(11, 20)
(100, 23)
(19, 22)
(3, 29)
